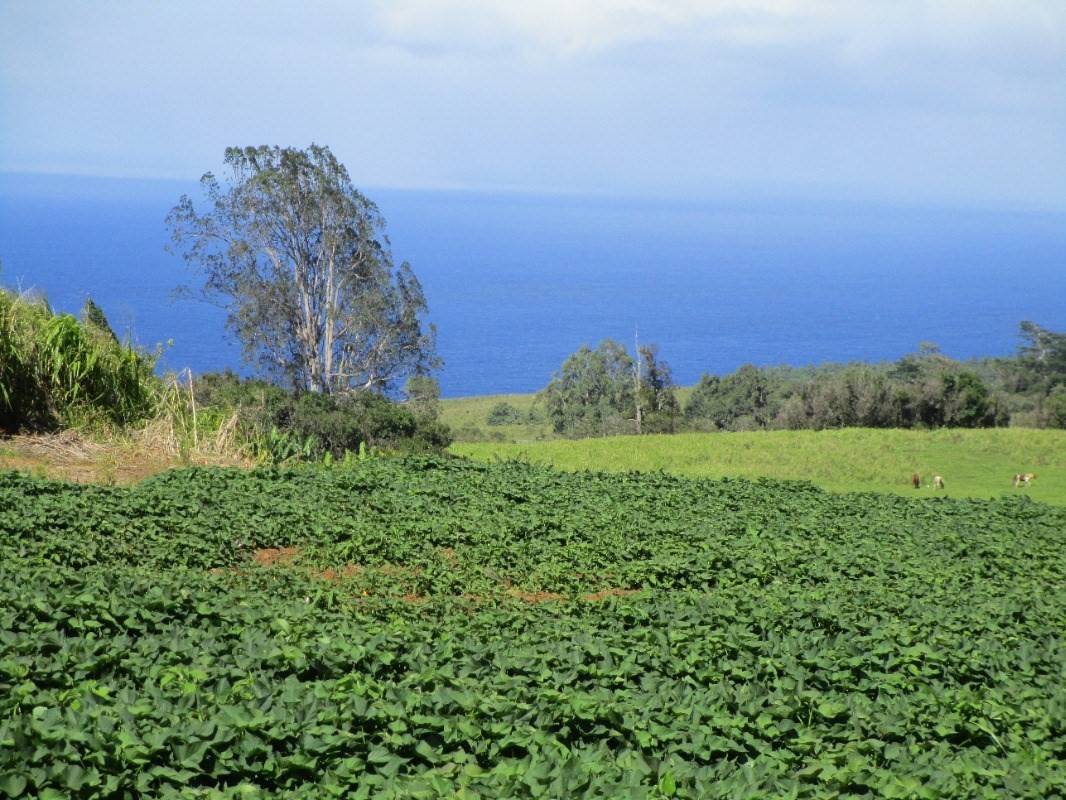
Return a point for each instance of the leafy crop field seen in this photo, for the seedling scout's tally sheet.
(974, 463)
(426, 628)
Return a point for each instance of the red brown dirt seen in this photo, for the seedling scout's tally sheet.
(347, 571)
(603, 594)
(271, 556)
(535, 597)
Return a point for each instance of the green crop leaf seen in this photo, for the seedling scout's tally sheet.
(12, 784)
(831, 708)
(668, 784)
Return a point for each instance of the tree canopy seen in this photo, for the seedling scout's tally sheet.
(1044, 352)
(596, 392)
(299, 260)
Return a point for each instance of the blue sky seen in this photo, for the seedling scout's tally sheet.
(957, 102)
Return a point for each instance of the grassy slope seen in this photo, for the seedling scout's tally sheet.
(467, 416)
(974, 463)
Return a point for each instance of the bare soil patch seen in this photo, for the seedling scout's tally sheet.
(271, 556)
(535, 597)
(603, 594)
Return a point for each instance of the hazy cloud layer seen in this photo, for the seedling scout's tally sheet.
(945, 101)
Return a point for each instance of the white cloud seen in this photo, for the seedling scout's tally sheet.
(576, 27)
(953, 98)
(569, 28)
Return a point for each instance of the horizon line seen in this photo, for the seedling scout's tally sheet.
(730, 191)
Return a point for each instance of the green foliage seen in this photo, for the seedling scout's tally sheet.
(343, 423)
(284, 425)
(781, 641)
(93, 316)
(1055, 407)
(722, 402)
(921, 390)
(423, 397)
(592, 394)
(659, 407)
(299, 258)
(967, 403)
(597, 393)
(55, 371)
(1044, 353)
(281, 446)
(503, 413)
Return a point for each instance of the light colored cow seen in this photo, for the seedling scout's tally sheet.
(938, 482)
(1023, 479)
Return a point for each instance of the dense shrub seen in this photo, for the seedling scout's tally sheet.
(310, 424)
(718, 403)
(58, 372)
(503, 413)
(925, 390)
(1054, 408)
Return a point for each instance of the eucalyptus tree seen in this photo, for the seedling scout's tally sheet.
(592, 393)
(656, 392)
(1043, 352)
(299, 259)
(604, 391)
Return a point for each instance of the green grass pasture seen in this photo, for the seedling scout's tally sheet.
(973, 463)
(467, 416)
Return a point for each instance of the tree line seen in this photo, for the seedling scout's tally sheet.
(605, 391)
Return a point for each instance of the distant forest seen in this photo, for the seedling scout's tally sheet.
(603, 391)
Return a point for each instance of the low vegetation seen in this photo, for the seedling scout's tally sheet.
(282, 425)
(479, 418)
(439, 628)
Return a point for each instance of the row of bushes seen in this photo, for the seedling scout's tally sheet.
(938, 394)
(604, 391)
(284, 424)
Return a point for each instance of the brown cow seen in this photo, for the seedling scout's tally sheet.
(1023, 479)
(916, 481)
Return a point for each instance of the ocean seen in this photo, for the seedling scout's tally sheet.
(517, 282)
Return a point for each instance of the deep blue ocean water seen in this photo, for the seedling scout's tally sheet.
(517, 282)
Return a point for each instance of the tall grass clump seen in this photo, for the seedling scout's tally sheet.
(185, 429)
(59, 372)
